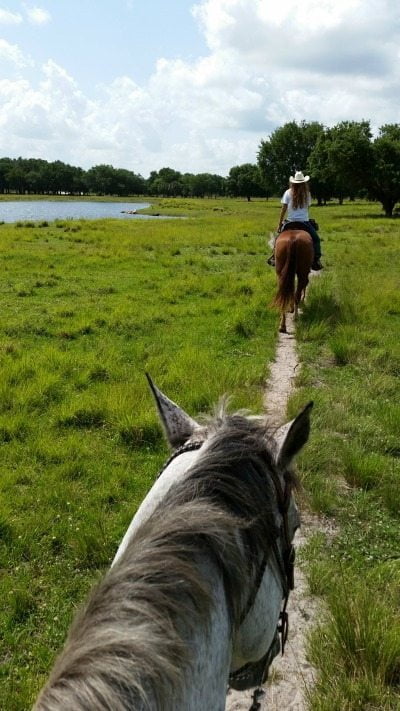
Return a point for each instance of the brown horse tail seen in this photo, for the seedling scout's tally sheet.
(285, 294)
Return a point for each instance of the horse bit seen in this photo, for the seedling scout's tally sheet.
(239, 679)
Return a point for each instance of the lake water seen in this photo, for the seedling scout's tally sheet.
(15, 210)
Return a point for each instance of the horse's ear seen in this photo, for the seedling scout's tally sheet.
(295, 437)
(177, 424)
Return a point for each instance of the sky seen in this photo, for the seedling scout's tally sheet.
(190, 85)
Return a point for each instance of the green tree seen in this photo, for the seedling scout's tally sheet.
(5, 167)
(35, 171)
(321, 171)
(166, 182)
(127, 183)
(101, 180)
(16, 177)
(390, 130)
(79, 183)
(286, 151)
(245, 181)
(350, 157)
(385, 176)
(207, 184)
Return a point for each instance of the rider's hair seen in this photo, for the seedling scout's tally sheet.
(300, 194)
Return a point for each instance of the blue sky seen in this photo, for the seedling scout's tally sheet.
(194, 85)
(99, 41)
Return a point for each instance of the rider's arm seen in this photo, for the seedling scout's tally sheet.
(282, 215)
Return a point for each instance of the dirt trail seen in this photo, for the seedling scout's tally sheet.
(290, 675)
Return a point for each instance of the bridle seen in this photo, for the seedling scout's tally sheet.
(244, 677)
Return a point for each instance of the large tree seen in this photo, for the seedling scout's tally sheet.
(341, 161)
(101, 179)
(350, 157)
(287, 150)
(245, 181)
(167, 182)
(203, 184)
(321, 171)
(5, 167)
(385, 176)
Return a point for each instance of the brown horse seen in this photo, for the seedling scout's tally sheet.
(293, 257)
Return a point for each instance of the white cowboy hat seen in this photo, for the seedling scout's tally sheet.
(299, 178)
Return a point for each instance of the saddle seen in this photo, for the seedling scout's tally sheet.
(296, 225)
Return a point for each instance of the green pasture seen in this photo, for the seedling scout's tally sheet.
(349, 342)
(88, 307)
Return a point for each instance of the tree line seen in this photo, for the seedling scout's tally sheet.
(344, 161)
(40, 177)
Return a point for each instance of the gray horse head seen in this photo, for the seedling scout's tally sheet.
(193, 599)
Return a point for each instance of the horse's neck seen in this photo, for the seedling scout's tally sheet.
(205, 679)
(205, 683)
(175, 471)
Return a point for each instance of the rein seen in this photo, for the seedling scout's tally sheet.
(239, 679)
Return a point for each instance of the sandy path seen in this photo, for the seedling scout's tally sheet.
(290, 675)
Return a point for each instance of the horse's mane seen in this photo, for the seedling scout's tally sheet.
(126, 648)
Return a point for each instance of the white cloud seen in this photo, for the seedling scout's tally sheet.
(37, 16)
(9, 18)
(12, 54)
(325, 60)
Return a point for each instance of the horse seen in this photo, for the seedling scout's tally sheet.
(195, 598)
(293, 257)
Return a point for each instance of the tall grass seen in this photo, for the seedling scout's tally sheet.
(87, 308)
(350, 345)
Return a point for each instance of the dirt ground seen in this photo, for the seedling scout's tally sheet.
(290, 675)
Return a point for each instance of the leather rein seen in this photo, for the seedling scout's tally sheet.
(239, 679)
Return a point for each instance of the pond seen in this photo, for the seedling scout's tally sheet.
(22, 210)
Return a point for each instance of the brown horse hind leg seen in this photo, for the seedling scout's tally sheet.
(282, 325)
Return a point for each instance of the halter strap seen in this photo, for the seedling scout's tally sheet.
(188, 447)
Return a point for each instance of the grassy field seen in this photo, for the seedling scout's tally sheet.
(350, 347)
(87, 307)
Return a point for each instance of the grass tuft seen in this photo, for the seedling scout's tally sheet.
(85, 417)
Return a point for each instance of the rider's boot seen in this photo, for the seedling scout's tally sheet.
(316, 265)
(271, 260)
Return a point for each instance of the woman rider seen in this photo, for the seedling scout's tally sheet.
(295, 203)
